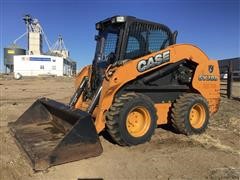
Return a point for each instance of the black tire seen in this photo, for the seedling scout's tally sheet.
(116, 118)
(181, 110)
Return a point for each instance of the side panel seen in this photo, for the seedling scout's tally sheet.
(162, 112)
(130, 71)
(207, 81)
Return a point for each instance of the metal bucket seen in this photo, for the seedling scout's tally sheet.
(52, 133)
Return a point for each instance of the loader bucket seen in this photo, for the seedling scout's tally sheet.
(52, 133)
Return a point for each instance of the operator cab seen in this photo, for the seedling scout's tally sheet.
(126, 37)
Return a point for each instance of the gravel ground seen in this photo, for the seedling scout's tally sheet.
(212, 155)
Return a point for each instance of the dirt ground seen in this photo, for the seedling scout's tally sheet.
(212, 155)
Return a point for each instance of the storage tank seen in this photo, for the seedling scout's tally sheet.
(9, 53)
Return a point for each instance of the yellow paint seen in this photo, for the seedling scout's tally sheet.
(197, 116)
(162, 112)
(138, 121)
(128, 72)
(10, 51)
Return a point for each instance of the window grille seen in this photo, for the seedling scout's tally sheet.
(144, 39)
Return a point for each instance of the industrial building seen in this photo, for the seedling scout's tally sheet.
(33, 61)
(35, 65)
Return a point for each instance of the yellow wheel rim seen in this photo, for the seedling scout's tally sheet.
(138, 121)
(197, 116)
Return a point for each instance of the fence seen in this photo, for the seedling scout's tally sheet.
(230, 85)
(226, 80)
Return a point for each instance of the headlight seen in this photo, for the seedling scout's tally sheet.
(118, 19)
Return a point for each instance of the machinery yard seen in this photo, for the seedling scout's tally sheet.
(214, 154)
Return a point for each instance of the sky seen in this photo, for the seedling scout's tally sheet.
(212, 25)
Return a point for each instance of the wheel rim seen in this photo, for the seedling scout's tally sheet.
(138, 121)
(197, 116)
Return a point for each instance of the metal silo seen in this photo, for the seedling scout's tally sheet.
(9, 53)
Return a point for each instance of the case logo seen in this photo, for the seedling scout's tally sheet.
(210, 68)
(156, 60)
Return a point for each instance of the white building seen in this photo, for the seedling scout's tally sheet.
(35, 65)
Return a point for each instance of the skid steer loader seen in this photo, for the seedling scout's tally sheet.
(139, 78)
